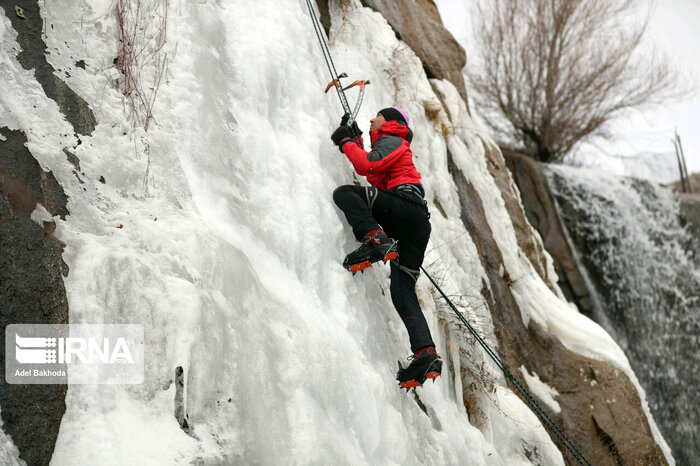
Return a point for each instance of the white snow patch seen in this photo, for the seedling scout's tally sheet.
(541, 390)
(40, 215)
(8, 450)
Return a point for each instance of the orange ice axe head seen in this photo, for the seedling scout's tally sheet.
(335, 82)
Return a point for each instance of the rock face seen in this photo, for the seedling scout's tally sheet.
(693, 179)
(324, 15)
(418, 24)
(31, 267)
(644, 266)
(33, 57)
(523, 231)
(690, 210)
(630, 303)
(600, 408)
(542, 215)
(32, 291)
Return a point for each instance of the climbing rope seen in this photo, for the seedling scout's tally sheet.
(320, 35)
(335, 77)
(518, 386)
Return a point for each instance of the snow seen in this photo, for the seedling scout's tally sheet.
(216, 231)
(541, 390)
(8, 450)
(41, 215)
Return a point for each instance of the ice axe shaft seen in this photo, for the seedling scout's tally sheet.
(361, 83)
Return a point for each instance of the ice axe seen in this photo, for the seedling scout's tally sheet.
(351, 116)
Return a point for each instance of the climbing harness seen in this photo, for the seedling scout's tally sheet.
(335, 77)
(548, 422)
(411, 193)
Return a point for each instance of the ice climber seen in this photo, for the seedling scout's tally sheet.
(391, 220)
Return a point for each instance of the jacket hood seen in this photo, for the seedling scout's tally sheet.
(392, 128)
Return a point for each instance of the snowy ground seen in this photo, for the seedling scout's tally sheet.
(230, 247)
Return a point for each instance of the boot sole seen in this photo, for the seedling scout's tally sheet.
(416, 383)
(367, 264)
(431, 374)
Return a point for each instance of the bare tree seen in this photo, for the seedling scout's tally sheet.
(551, 73)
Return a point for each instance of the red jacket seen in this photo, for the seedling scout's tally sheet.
(390, 162)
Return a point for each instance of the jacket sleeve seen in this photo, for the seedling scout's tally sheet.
(379, 160)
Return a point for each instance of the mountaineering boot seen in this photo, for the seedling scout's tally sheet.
(376, 246)
(426, 364)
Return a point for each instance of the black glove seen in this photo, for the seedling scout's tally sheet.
(341, 135)
(354, 129)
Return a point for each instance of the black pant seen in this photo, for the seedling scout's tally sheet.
(368, 209)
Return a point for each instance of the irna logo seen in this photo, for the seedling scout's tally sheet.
(74, 353)
(33, 350)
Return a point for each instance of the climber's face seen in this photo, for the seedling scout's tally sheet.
(376, 122)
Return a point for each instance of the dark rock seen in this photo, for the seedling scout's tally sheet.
(528, 243)
(180, 414)
(33, 57)
(599, 404)
(418, 24)
(693, 181)
(72, 158)
(31, 291)
(542, 215)
(594, 397)
(80, 64)
(325, 15)
(690, 210)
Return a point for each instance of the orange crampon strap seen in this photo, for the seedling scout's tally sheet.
(360, 267)
(416, 383)
(411, 384)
